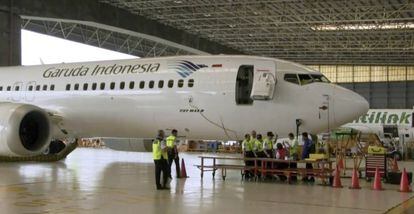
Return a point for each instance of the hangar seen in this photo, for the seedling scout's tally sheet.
(366, 46)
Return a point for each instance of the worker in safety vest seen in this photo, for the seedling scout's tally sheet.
(258, 150)
(252, 141)
(247, 146)
(268, 145)
(160, 156)
(173, 152)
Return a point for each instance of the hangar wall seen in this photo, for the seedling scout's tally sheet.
(10, 39)
(393, 95)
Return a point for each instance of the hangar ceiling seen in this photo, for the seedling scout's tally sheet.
(107, 37)
(306, 31)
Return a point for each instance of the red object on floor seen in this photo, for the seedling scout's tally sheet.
(355, 180)
(404, 184)
(337, 179)
(377, 181)
(183, 171)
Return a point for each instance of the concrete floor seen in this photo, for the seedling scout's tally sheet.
(106, 181)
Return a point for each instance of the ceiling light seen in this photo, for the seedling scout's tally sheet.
(207, 15)
(232, 25)
(178, 2)
(384, 26)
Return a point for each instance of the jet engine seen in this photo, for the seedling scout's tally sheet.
(25, 130)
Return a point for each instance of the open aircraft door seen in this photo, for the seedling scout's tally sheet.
(264, 84)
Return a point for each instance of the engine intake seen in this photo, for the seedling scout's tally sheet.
(25, 130)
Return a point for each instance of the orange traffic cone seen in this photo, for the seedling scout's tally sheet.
(404, 186)
(377, 181)
(355, 180)
(337, 179)
(395, 165)
(341, 163)
(183, 171)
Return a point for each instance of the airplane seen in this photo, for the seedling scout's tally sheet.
(386, 123)
(203, 97)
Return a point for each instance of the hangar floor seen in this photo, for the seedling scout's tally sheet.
(106, 181)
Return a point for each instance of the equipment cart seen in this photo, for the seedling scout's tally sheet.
(376, 158)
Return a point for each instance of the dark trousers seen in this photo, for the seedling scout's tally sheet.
(161, 165)
(176, 159)
(293, 166)
(248, 173)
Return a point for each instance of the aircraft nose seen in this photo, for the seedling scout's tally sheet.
(348, 105)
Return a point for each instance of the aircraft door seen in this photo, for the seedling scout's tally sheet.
(17, 88)
(263, 86)
(30, 94)
(244, 84)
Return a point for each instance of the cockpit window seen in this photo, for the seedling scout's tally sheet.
(293, 78)
(320, 78)
(305, 79)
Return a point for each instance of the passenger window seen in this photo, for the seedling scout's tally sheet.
(293, 78)
(94, 85)
(102, 86)
(76, 87)
(44, 87)
(1, 88)
(131, 85)
(8, 88)
(161, 84)
(305, 79)
(37, 87)
(52, 87)
(190, 83)
(122, 85)
(151, 84)
(68, 87)
(170, 83)
(112, 86)
(17, 88)
(31, 88)
(180, 83)
(85, 86)
(142, 84)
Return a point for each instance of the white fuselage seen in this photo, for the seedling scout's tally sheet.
(375, 120)
(207, 110)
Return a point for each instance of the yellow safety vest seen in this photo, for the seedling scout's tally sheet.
(247, 146)
(157, 151)
(259, 146)
(269, 143)
(170, 141)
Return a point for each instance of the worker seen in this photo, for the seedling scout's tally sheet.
(292, 145)
(160, 156)
(253, 138)
(173, 152)
(258, 149)
(307, 146)
(268, 145)
(281, 154)
(247, 148)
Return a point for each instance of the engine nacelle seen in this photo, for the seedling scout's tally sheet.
(25, 130)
